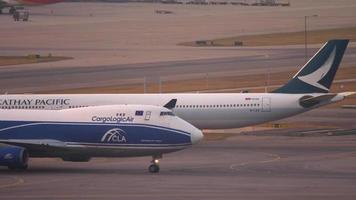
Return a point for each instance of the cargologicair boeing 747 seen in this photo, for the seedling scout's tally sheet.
(99, 131)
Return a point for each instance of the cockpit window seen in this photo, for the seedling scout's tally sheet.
(164, 113)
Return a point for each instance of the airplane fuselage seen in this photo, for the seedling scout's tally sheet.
(205, 111)
(100, 131)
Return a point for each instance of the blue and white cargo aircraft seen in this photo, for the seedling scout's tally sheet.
(98, 131)
(307, 90)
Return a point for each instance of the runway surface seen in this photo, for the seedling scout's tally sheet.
(120, 43)
(240, 167)
(27, 80)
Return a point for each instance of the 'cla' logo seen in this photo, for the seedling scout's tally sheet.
(8, 156)
(114, 135)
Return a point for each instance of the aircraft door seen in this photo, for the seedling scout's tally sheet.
(266, 104)
(148, 115)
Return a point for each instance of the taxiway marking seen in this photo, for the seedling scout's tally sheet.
(274, 159)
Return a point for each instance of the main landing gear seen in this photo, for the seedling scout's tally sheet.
(154, 167)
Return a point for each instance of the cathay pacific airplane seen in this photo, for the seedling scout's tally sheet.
(98, 131)
(307, 90)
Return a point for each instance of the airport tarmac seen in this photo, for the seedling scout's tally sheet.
(122, 43)
(120, 33)
(239, 167)
(25, 79)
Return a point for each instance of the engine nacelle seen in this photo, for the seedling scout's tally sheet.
(13, 157)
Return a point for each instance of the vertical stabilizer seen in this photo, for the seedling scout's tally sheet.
(318, 73)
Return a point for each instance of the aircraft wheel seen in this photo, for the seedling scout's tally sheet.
(153, 168)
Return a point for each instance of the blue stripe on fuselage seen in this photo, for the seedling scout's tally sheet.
(82, 132)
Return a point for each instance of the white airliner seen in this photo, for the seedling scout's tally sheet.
(308, 89)
(98, 131)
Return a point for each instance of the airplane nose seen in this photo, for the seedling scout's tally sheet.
(196, 135)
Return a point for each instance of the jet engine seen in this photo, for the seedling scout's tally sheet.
(13, 157)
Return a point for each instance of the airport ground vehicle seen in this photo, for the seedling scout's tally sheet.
(21, 15)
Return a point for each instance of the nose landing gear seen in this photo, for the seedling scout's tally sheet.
(154, 167)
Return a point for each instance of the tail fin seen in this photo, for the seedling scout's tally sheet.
(318, 74)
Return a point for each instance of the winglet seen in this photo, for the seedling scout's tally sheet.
(171, 104)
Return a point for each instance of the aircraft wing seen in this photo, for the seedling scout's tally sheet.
(34, 144)
(309, 101)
